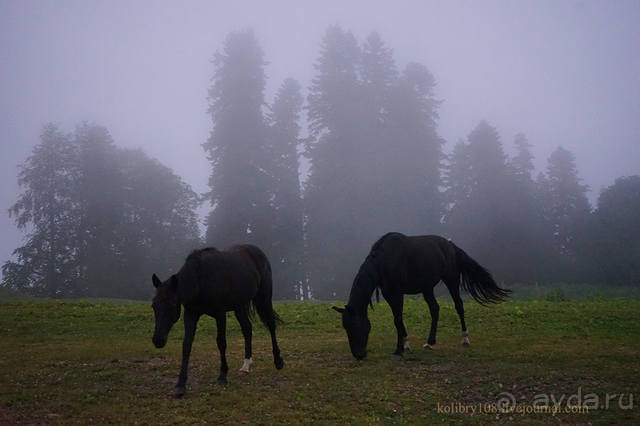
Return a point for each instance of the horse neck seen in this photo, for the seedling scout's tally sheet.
(362, 290)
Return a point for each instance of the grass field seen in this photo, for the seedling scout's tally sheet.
(93, 362)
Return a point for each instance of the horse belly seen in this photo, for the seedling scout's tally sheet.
(228, 296)
(421, 278)
(234, 300)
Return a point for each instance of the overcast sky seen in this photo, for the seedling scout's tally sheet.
(563, 72)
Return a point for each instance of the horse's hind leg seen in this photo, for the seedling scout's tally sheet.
(277, 359)
(245, 324)
(434, 310)
(454, 288)
(264, 307)
(221, 339)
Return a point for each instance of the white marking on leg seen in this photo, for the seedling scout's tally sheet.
(246, 365)
(465, 338)
(406, 344)
(427, 346)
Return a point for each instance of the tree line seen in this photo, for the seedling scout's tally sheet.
(100, 218)
(97, 218)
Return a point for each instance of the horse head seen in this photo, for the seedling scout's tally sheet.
(358, 327)
(166, 307)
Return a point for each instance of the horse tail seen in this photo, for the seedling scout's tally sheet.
(262, 303)
(477, 281)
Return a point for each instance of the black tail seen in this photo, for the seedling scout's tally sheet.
(262, 302)
(478, 281)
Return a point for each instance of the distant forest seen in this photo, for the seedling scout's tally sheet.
(99, 220)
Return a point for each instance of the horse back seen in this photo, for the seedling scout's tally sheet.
(414, 262)
(222, 280)
(255, 257)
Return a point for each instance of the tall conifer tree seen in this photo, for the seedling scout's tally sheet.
(46, 209)
(240, 180)
(287, 246)
(568, 207)
(334, 111)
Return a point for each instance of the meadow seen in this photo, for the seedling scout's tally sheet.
(92, 361)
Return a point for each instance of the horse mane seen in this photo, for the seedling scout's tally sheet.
(368, 273)
(189, 275)
(376, 246)
(371, 259)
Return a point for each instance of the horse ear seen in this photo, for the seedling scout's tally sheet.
(335, 308)
(156, 281)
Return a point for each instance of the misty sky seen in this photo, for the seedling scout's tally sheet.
(563, 72)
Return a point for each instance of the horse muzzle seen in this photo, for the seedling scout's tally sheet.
(159, 342)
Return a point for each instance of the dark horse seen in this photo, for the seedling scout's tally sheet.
(399, 265)
(214, 282)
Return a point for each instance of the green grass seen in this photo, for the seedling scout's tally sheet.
(93, 362)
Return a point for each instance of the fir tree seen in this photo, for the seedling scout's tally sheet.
(287, 246)
(46, 209)
(240, 180)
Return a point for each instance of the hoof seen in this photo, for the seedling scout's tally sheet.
(429, 346)
(465, 339)
(279, 364)
(407, 347)
(246, 365)
(221, 381)
(178, 392)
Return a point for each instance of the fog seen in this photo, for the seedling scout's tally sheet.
(564, 73)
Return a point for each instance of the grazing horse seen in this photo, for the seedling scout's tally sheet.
(213, 282)
(399, 265)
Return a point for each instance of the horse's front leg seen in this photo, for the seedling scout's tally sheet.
(221, 321)
(190, 321)
(396, 304)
